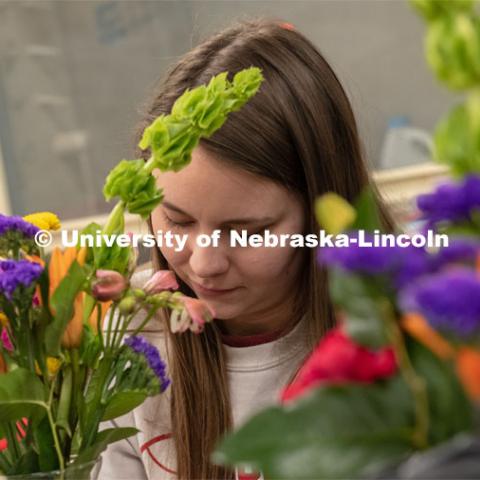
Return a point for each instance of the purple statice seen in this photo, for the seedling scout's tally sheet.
(451, 201)
(449, 300)
(402, 264)
(17, 224)
(459, 250)
(141, 346)
(15, 273)
(354, 258)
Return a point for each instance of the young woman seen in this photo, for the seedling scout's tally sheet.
(296, 139)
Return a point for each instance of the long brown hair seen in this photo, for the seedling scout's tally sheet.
(299, 131)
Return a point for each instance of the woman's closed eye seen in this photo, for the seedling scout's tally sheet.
(174, 224)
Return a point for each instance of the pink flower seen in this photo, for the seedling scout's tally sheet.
(3, 444)
(337, 360)
(193, 317)
(161, 280)
(36, 300)
(6, 342)
(108, 285)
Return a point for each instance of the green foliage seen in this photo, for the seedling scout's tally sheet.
(134, 186)
(349, 431)
(457, 138)
(123, 402)
(335, 432)
(361, 303)
(450, 410)
(452, 49)
(434, 9)
(21, 395)
(89, 455)
(197, 113)
(368, 215)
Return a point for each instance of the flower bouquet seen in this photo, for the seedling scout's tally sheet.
(393, 390)
(71, 354)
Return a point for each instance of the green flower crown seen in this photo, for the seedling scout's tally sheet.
(196, 114)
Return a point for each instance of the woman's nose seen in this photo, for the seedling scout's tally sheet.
(208, 261)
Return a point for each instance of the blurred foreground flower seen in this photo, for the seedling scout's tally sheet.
(449, 300)
(337, 360)
(453, 201)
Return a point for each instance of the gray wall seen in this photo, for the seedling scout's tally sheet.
(73, 74)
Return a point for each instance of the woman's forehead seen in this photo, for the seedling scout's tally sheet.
(208, 184)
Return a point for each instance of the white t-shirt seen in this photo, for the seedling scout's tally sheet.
(256, 375)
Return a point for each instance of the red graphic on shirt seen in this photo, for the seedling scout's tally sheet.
(146, 447)
(248, 476)
(239, 474)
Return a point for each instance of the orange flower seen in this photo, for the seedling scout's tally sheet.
(468, 370)
(418, 328)
(60, 262)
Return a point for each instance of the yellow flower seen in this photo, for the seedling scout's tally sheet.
(44, 220)
(53, 366)
(334, 214)
(3, 319)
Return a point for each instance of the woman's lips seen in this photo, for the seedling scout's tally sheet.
(211, 291)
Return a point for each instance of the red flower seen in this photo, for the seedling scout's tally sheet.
(3, 444)
(338, 360)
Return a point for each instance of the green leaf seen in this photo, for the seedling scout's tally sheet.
(335, 432)
(368, 216)
(123, 402)
(47, 455)
(450, 409)
(26, 464)
(364, 320)
(62, 302)
(102, 440)
(21, 395)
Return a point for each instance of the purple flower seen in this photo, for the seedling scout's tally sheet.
(15, 273)
(17, 224)
(139, 345)
(459, 250)
(451, 201)
(449, 300)
(401, 264)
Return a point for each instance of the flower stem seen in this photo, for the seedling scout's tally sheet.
(53, 428)
(414, 382)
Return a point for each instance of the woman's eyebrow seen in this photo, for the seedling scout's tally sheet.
(242, 221)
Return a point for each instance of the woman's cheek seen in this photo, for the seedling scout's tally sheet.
(267, 263)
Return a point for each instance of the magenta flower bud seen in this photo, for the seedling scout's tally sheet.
(108, 285)
(160, 281)
(6, 342)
